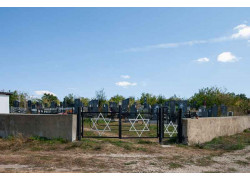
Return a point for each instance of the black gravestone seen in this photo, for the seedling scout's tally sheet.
(223, 110)
(77, 103)
(154, 110)
(214, 110)
(93, 106)
(172, 107)
(133, 111)
(29, 104)
(52, 104)
(125, 105)
(16, 103)
(113, 107)
(105, 108)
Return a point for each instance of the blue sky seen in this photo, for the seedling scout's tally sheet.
(126, 51)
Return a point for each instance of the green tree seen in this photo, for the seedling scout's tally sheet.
(151, 99)
(85, 101)
(117, 98)
(101, 97)
(14, 97)
(69, 99)
(161, 99)
(49, 98)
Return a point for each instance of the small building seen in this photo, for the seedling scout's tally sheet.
(5, 102)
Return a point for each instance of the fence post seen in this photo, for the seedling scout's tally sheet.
(120, 121)
(160, 126)
(180, 126)
(82, 121)
(78, 131)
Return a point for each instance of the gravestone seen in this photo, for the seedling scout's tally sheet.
(61, 104)
(65, 104)
(113, 106)
(166, 104)
(183, 106)
(125, 105)
(204, 112)
(77, 103)
(209, 112)
(46, 105)
(16, 103)
(29, 104)
(172, 107)
(53, 104)
(93, 106)
(154, 110)
(105, 108)
(133, 111)
(223, 110)
(214, 110)
(230, 113)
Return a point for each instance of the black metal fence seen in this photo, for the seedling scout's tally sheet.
(124, 125)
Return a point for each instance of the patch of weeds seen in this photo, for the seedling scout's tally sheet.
(142, 149)
(35, 148)
(211, 171)
(174, 165)
(48, 140)
(152, 163)
(205, 161)
(141, 141)
(246, 131)
(122, 144)
(130, 163)
(242, 163)
(98, 148)
(231, 170)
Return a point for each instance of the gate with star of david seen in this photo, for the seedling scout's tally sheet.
(121, 124)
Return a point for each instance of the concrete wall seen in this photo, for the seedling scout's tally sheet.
(50, 126)
(202, 130)
(4, 103)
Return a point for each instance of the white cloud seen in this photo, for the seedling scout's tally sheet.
(226, 57)
(201, 60)
(42, 92)
(125, 84)
(125, 76)
(243, 32)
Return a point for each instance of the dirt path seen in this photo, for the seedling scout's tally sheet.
(170, 159)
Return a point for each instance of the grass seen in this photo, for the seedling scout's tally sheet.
(205, 161)
(130, 163)
(228, 143)
(174, 165)
(242, 163)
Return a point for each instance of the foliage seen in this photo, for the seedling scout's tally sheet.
(49, 98)
(117, 98)
(69, 99)
(101, 97)
(151, 99)
(19, 96)
(85, 101)
(14, 97)
(161, 99)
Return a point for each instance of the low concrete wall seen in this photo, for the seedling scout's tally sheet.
(50, 126)
(202, 130)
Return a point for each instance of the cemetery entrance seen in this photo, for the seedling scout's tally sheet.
(157, 122)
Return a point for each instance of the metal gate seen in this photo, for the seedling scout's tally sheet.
(125, 125)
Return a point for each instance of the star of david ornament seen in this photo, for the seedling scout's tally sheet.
(139, 131)
(167, 126)
(95, 121)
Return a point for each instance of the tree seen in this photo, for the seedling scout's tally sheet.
(151, 99)
(69, 100)
(101, 97)
(117, 98)
(85, 101)
(49, 98)
(14, 97)
(161, 99)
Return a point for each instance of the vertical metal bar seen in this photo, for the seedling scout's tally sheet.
(79, 124)
(82, 122)
(160, 126)
(157, 116)
(120, 121)
(180, 126)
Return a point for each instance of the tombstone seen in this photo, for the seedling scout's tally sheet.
(214, 111)
(204, 112)
(46, 105)
(133, 111)
(209, 112)
(61, 104)
(172, 107)
(33, 106)
(223, 109)
(52, 104)
(93, 106)
(183, 106)
(65, 103)
(154, 111)
(77, 103)
(230, 113)
(29, 104)
(38, 105)
(16, 103)
(125, 105)
(105, 108)
(113, 106)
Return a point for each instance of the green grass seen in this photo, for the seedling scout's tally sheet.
(242, 163)
(228, 143)
(130, 163)
(174, 165)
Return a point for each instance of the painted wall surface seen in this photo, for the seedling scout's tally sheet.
(4, 103)
(50, 126)
(196, 131)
